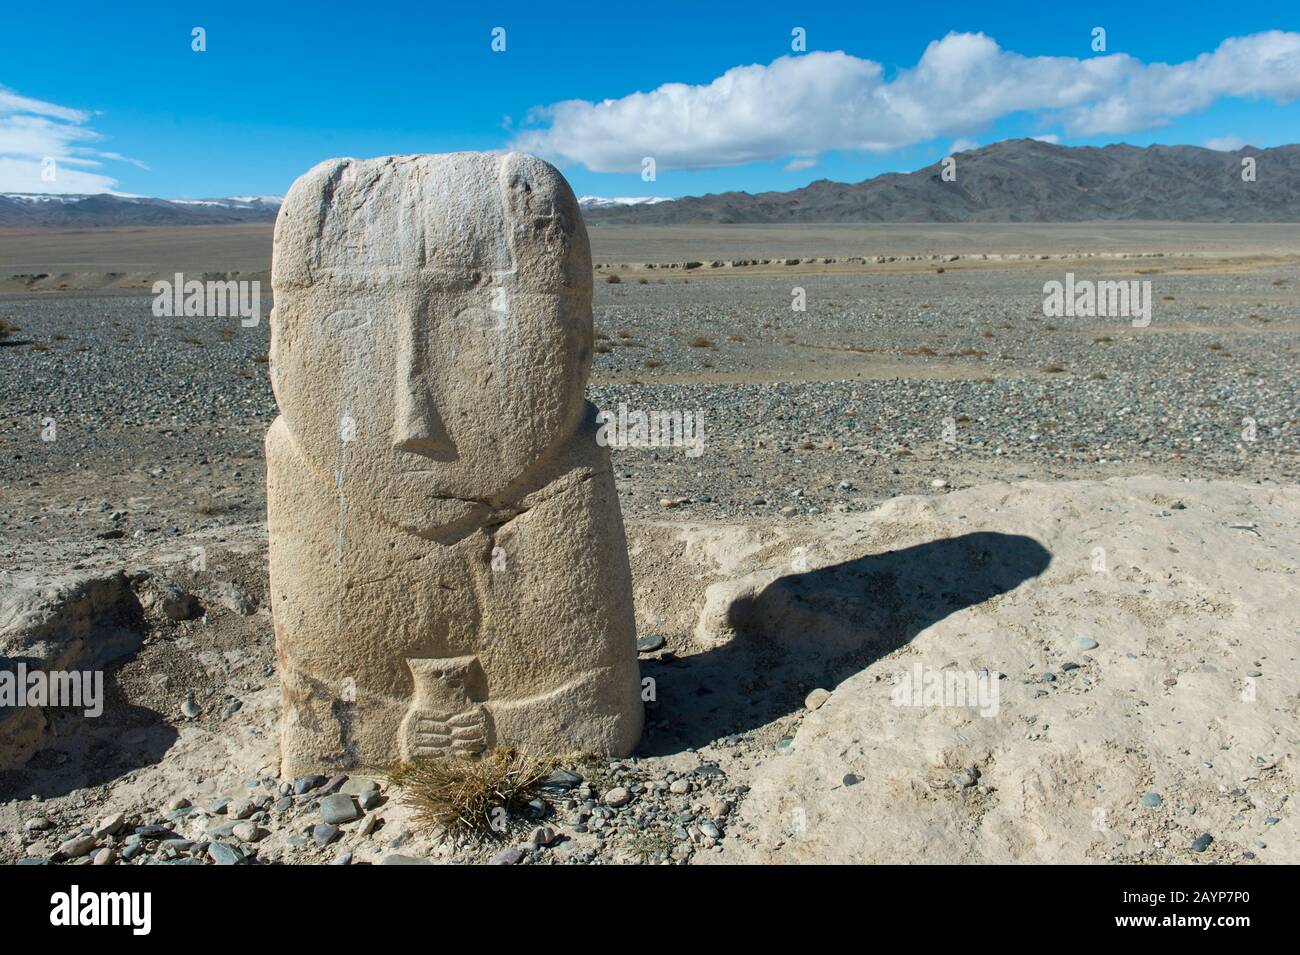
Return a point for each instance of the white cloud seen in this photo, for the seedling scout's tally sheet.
(1226, 144)
(806, 105)
(37, 137)
(1048, 138)
(799, 164)
(962, 145)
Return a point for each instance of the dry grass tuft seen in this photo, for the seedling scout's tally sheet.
(458, 795)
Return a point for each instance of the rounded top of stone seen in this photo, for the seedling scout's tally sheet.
(451, 220)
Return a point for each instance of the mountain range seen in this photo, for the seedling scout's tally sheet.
(1021, 180)
(74, 211)
(1017, 180)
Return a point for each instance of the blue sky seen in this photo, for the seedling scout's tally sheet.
(116, 93)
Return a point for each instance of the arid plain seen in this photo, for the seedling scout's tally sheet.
(921, 364)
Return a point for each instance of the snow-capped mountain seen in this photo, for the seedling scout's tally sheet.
(90, 211)
(601, 202)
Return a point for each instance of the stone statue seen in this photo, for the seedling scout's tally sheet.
(449, 570)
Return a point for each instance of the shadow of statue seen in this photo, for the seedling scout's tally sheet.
(819, 627)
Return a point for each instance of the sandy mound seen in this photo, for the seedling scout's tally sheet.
(1189, 591)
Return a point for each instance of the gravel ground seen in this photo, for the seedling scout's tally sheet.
(886, 384)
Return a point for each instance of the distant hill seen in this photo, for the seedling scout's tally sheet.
(1020, 180)
(73, 211)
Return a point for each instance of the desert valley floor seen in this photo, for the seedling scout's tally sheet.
(919, 469)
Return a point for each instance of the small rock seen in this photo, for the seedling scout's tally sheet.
(649, 643)
(325, 833)
(680, 786)
(103, 857)
(561, 779)
(1084, 643)
(222, 854)
(304, 783)
(359, 786)
(616, 797)
(109, 825)
(339, 808)
(343, 858)
(542, 836)
(246, 831)
(77, 847)
(507, 857)
(816, 698)
(1151, 800)
(1202, 842)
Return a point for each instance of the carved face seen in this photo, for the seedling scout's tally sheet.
(431, 336)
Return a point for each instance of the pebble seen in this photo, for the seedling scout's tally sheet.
(650, 643)
(359, 786)
(680, 786)
(109, 825)
(103, 857)
(339, 808)
(303, 783)
(222, 854)
(246, 832)
(343, 858)
(560, 779)
(542, 836)
(1151, 800)
(816, 698)
(190, 709)
(325, 833)
(1202, 842)
(616, 797)
(1085, 643)
(77, 847)
(37, 824)
(509, 856)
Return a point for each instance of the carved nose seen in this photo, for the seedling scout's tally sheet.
(417, 427)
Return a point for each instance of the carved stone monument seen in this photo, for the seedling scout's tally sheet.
(448, 565)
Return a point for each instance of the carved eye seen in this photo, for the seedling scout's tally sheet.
(348, 320)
